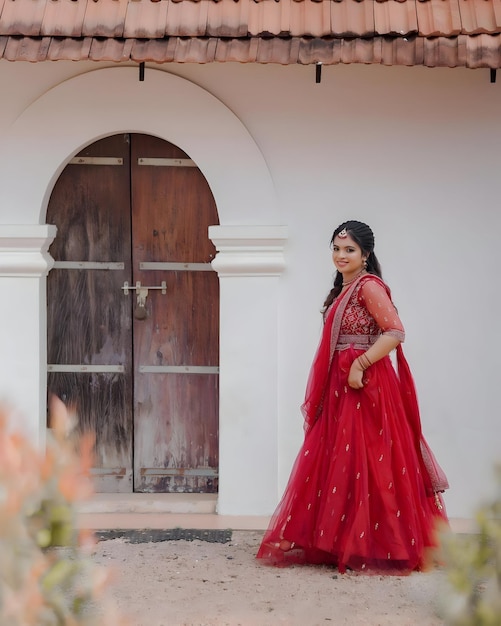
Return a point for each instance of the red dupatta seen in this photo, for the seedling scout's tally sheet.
(319, 372)
(434, 477)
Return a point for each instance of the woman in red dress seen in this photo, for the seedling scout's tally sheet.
(364, 492)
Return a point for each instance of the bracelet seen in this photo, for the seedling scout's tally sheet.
(364, 361)
(361, 364)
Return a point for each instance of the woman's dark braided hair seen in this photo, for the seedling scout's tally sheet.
(364, 237)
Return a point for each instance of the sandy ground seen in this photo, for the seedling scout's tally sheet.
(197, 583)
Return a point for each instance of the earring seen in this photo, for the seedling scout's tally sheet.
(364, 265)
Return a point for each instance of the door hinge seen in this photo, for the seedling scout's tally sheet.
(166, 162)
(96, 161)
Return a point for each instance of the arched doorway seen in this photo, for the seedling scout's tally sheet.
(133, 313)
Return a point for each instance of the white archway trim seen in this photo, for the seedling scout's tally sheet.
(24, 264)
(24, 250)
(249, 250)
(249, 262)
(107, 101)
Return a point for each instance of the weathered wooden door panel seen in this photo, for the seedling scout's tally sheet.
(89, 320)
(176, 350)
(177, 438)
(148, 387)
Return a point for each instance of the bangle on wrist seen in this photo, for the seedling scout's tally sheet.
(364, 361)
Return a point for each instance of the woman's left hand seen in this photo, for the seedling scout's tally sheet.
(356, 375)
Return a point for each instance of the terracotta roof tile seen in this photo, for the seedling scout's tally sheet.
(239, 50)
(444, 33)
(68, 48)
(482, 51)
(144, 19)
(438, 17)
(190, 50)
(225, 18)
(395, 17)
(63, 18)
(22, 17)
(309, 18)
(351, 18)
(480, 17)
(26, 49)
(105, 18)
(240, 18)
(465, 51)
(186, 19)
(267, 18)
(111, 49)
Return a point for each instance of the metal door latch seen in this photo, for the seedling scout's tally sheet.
(142, 293)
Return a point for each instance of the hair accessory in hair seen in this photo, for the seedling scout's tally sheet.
(342, 234)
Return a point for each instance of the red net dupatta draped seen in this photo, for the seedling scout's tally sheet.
(319, 372)
(434, 477)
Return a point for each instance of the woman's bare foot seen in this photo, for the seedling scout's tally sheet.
(285, 545)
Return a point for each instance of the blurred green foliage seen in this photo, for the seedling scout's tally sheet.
(47, 576)
(473, 566)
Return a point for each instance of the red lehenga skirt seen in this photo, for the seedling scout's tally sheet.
(356, 497)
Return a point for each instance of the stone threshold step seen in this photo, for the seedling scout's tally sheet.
(179, 503)
(143, 521)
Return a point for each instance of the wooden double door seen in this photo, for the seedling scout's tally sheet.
(133, 313)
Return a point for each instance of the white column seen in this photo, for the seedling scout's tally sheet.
(24, 264)
(249, 262)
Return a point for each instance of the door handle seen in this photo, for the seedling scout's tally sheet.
(140, 312)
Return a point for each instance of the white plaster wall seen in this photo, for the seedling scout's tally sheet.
(91, 105)
(23, 296)
(24, 263)
(412, 151)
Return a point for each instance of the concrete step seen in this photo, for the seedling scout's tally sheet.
(178, 510)
(206, 521)
(160, 510)
(175, 503)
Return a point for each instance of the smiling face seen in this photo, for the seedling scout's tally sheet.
(347, 256)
